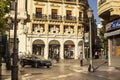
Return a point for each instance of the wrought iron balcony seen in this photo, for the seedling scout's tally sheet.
(55, 17)
(81, 1)
(81, 19)
(41, 0)
(70, 18)
(55, 0)
(39, 16)
(70, 1)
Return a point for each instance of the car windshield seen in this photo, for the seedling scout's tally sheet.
(33, 57)
(38, 57)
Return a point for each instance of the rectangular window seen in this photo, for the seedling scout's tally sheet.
(80, 14)
(54, 13)
(38, 12)
(115, 52)
(118, 46)
(68, 14)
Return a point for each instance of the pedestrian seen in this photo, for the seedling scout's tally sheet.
(96, 55)
(57, 56)
(81, 59)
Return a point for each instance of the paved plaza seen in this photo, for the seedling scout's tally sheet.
(67, 70)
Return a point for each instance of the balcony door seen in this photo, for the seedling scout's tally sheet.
(68, 14)
(38, 12)
(54, 13)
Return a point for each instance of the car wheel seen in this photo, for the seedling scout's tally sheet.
(22, 64)
(32, 65)
(36, 65)
(48, 66)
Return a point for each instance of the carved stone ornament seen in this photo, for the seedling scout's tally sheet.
(80, 32)
(69, 30)
(54, 29)
(38, 29)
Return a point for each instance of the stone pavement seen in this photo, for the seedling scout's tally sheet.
(6, 74)
(102, 69)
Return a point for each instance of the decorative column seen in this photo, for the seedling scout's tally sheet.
(61, 50)
(61, 29)
(83, 47)
(46, 50)
(46, 28)
(76, 50)
(76, 30)
(109, 51)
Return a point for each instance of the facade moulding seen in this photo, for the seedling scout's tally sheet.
(70, 6)
(55, 5)
(39, 4)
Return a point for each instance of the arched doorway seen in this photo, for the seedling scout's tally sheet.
(54, 48)
(69, 49)
(38, 47)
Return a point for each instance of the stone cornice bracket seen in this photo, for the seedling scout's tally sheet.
(69, 6)
(81, 8)
(55, 5)
(40, 4)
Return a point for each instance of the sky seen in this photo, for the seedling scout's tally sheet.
(93, 5)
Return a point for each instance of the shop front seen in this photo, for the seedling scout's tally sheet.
(113, 36)
(38, 47)
(69, 50)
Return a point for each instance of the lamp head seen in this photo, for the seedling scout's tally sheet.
(90, 13)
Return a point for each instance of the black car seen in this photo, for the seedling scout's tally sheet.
(35, 61)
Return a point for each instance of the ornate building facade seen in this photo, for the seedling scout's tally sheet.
(46, 27)
(109, 12)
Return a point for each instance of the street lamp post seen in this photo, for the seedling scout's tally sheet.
(90, 14)
(14, 71)
(8, 60)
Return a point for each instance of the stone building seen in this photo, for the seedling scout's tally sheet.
(109, 12)
(46, 27)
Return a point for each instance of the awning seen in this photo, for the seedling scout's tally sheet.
(113, 33)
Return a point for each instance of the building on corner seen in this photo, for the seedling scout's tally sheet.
(46, 27)
(109, 12)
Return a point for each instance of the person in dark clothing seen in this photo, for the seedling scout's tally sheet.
(81, 59)
(57, 56)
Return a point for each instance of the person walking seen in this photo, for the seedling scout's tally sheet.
(57, 56)
(81, 59)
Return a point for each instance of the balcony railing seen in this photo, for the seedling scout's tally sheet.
(70, 1)
(39, 16)
(81, 19)
(101, 2)
(70, 18)
(58, 18)
(55, 17)
(41, 0)
(81, 1)
(55, 0)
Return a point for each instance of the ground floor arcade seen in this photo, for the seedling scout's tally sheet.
(66, 47)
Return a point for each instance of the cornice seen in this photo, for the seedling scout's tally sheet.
(40, 4)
